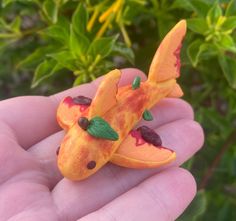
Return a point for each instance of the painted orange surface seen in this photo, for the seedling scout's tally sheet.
(122, 108)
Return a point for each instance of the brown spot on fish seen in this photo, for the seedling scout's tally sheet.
(82, 100)
(150, 136)
(91, 165)
(83, 123)
(57, 151)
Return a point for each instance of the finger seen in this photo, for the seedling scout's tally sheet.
(163, 113)
(34, 117)
(112, 181)
(161, 197)
(13, 160)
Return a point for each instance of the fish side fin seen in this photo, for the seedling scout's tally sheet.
(176, 92)
(105, 97)
(133, 153)
(166, 62)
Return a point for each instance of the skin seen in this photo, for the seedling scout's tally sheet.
(33, 189)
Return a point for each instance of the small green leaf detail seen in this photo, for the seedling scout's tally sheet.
(147, 115)
(99, 128)
(136, 83)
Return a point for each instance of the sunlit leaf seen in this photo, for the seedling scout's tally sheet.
(102, 46)
(79, 80)
(44, 70)
(15, 25)
(197, 25)
(121, 49)
(79, 19)
(79, 43)
(50, 9)
(214, 13)
(58, 33)
(229, 24)
(194, 51)
(227, 43)
(200, 7)
(231, 8)
(65, 59)
(37, 56)
(228, 66)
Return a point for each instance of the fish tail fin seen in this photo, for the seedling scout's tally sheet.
(166, 62)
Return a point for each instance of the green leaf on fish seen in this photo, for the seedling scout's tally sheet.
(147, 115)
(99, 128)
(136, 83)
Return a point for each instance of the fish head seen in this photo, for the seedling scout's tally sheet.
(81, 154)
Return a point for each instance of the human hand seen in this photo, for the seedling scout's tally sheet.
(32, 188)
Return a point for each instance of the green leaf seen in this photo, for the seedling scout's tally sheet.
(197, 25)
(194, 51)
(124, 51)
(102, 46)
(3, 24)
(44, 70)
(99, 128)
(214, 13)
(15, 25)
(50, 9)
(227, 43)
(58, 33)
(231, 8)
(229, 24)
(200, 7)
(198, 50)
(228, 66)
(79, 80)
(197, 207)
(6, 2)
(79, 44)
(79, 19)
(185, 4)
(136, 83)
(147, 115)
(35, 57)
(65, 59)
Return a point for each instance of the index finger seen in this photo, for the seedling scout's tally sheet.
(33, 118)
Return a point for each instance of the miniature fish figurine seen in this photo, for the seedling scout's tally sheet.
(101, 129)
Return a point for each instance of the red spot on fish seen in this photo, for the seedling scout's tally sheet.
(137, 135)
(177, 55)
(83, 107)
(68, 101)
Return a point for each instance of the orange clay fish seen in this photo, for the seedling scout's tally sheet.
(101, 130)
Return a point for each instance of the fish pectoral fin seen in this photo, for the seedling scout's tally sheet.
(70, 109)
(105, 97)
(140, 154)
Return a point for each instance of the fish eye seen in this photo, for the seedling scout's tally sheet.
(91, 165)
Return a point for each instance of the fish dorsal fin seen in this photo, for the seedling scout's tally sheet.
(105, 97)
(166, 62)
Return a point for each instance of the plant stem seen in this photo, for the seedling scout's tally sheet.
(209, 173)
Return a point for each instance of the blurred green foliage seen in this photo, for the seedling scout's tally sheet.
(49, 45)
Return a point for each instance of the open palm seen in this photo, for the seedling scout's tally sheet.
(32, 188)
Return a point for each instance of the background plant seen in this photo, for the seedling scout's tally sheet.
(47, 46)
